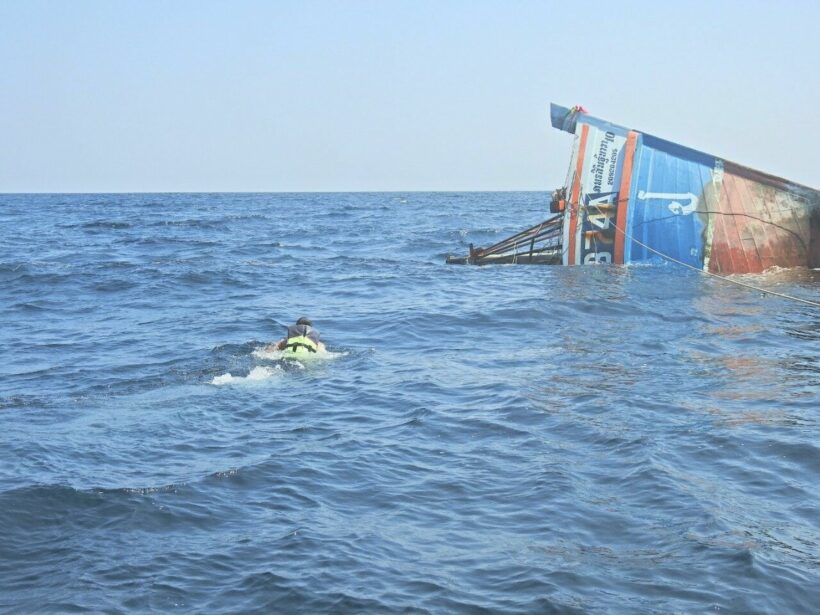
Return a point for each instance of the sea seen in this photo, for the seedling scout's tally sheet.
(499, 439)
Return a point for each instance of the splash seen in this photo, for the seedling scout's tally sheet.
(257, 374)
(268, 354)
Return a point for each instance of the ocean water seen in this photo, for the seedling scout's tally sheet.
(507, 439)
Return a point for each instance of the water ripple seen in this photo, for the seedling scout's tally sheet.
(482, 440)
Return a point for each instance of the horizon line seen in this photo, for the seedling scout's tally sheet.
(271, 192)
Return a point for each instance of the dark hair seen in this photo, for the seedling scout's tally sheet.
(304, 320)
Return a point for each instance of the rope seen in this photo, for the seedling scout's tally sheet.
(709, 273)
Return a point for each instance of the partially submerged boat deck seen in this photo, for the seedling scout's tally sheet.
(632, 197)
(537, 245)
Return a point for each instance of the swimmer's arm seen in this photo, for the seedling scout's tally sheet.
(277, 346)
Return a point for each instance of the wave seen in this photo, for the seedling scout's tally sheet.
(106, 225)
(193, 223)
(22, 401)
(110, 286)
(258, 374)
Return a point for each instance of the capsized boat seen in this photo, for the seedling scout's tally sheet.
(632, 197)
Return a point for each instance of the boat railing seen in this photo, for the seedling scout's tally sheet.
(539, 244)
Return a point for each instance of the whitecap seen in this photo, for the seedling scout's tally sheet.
(257, 374)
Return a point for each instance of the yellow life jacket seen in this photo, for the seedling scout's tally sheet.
(301, 343)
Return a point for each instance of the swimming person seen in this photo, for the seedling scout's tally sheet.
(301, 338)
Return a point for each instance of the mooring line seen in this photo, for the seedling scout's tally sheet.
(709, 273)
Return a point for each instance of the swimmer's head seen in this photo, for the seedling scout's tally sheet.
(304, 320)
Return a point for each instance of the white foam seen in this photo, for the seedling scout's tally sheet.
(268, 354)
(257, 374)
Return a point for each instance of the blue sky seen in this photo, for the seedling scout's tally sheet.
(120, 96)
